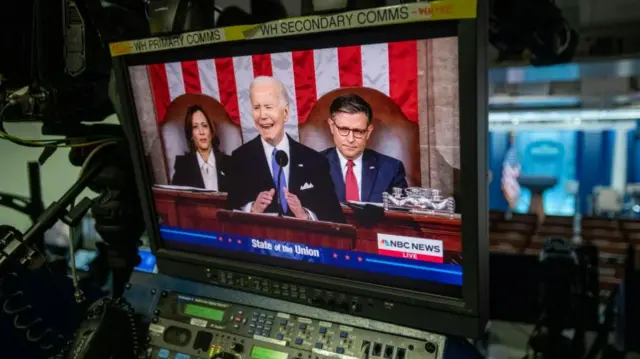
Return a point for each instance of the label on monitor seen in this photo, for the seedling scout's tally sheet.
(270, 340)
(421, 249)
(156, 329)
(388, 15)
(345, 328)
(329, 354)
(198, 322)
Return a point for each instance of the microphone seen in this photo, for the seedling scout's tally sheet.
(282, 160)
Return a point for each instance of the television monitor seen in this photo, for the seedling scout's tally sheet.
(345, 170)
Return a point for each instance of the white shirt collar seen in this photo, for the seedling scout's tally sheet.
(211, 161)
(282, 146)
(343, 161)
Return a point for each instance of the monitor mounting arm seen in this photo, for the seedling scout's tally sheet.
(116, 211)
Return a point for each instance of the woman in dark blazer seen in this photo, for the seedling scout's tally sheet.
(204, 166)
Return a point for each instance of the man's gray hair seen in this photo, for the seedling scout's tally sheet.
(260, 80)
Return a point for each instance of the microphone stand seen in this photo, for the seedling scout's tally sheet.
(282, 160)
(280, 214)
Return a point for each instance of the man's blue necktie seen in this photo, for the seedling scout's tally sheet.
(283, 181)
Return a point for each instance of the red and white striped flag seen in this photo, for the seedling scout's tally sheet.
(391, 68)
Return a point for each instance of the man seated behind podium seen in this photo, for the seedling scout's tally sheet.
(306, 188)
(204, 166)
(359, 173)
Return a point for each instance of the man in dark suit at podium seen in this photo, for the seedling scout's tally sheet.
(358, 173)
(306, 189)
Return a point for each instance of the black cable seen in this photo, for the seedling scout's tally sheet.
(27, 143)
(2, 109)
(535, 331)
(59, 142)
(104, 318)
(13, 304)
(15, 251)
(603, 333)
(138, 349)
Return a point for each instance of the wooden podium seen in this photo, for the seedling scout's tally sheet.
(446, 229)
(288, 229)
(207, 211)
(194, 210)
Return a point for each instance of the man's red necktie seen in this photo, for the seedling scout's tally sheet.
(351, 183)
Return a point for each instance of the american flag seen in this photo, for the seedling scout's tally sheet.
(510, 173)
(391, 68)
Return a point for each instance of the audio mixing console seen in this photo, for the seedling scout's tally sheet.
(186, 326)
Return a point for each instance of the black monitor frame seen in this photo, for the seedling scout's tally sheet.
(463, 317)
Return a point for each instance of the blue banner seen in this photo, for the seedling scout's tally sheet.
(633, 155)
(498, 145)
(549, 153)
(436, 272)
(594, 164)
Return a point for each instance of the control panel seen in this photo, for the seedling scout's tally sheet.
(286, 291)
(188, 327)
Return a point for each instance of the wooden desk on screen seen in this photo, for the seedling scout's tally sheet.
(200, 211)
(446, 229)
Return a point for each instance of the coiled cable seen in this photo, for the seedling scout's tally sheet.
(138, 350)
(13, 304)
(104, 318)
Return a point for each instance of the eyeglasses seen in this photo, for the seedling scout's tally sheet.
(344, 131)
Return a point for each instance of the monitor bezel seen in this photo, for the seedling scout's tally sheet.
(465, 316)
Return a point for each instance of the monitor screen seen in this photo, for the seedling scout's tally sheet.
(336, 160)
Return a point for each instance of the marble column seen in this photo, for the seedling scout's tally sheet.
(151, 139)
(439, 114)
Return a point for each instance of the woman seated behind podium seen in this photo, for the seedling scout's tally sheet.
(204, 166)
